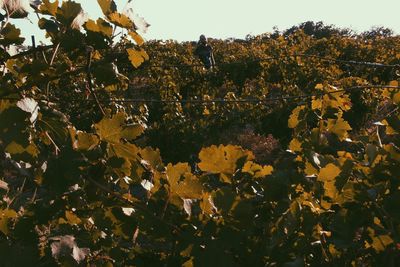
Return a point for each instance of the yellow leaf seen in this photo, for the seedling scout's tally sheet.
(100, 26)
(393, 151)
(82, 140)
(6, 216)
(396, 98)
(222, 159)
(319, 86)
(207, 205)
(328, 173)
(13, 148)
(310, 169)
(107, 6)
(46, 7)
(113, 129)
(330, 189)
(137, 57)
(316, 104)
(182, 183)
(295, 145)
(127, 151)
(294, 117)
(333, 251)
(339, 127)
(380, 242)
(71, 219)
(256, 170)
(394, 83)
(137, 38)
(120, 20)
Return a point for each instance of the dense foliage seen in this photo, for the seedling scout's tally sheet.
(119, 152)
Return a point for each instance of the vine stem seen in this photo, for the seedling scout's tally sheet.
(89, 79)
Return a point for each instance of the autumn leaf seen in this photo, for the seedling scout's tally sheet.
(114, 129)
(49, 8)
(107, 6)
(182, 184)
(256, 170)
(100, 26)
(294, 118)
(339, 127)
(6, 215)
(137, 57)
(328, 173)
(222, 159)
(137, 38)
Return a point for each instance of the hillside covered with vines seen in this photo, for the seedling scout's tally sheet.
(116, 151)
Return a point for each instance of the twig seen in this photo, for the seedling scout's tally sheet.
(89, 78)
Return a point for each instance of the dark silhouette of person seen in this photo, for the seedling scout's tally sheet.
(205, 52)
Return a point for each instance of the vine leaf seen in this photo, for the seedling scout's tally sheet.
(11, 35)
(294, 117)
(137, 57)
(137, 38)
(113, 129)
(82, 140)
(107, 6)
(6, 216)
(101, 26)
(328, 173)
(182, 184)
(48, 8)
(68, 12)
(339, 127)
(223, 160)
(256, 170)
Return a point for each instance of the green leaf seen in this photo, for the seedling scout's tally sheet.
(48, 8)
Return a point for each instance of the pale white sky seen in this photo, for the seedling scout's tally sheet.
(187, 19)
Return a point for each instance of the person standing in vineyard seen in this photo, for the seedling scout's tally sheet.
(205, 52)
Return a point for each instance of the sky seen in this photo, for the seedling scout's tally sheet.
(185, 20)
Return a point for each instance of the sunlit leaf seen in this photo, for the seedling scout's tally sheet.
(295, 117)
(107, 6)
(339, 127)
(137, 57)
(329, 173)
(222, 159)
(49, 8)
(137, 38)
(256, 170)
(100, 26)
(182, 183)
(6, 215)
